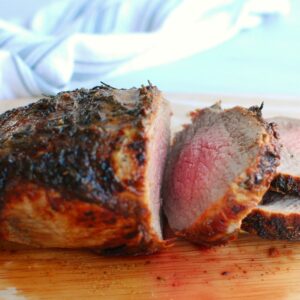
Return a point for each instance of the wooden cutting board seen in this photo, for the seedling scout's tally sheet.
(249, 268)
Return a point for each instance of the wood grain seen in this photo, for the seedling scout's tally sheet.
(249, 268)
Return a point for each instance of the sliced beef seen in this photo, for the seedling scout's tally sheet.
(277, 217)
(84, 169)
(288, 173)
(219, 168)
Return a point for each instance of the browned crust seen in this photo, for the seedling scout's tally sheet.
(54, 221)
(79, 156)
(273, 226)
(285, 183)
(81, 161)
(211, 228)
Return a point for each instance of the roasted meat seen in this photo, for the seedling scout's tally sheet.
(277, 217)
(84, 169)
(288, 173)
(218, 170)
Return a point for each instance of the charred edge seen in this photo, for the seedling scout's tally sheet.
(270, 159)
(286, 184)
(57, 170)
(71, 168)
(267, 198)
(266, 167)
(273, 227)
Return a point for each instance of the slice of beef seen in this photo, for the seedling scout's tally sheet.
(288, 177)
(219, 168)
(277, 217)
(84, 169)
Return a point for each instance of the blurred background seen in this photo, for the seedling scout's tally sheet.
(222, 47)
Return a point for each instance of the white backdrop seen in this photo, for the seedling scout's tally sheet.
(20, 8)
(264, 61)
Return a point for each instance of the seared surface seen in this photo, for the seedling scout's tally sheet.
(80, 162)
(277, 217)
(218, 170)
(288, 172)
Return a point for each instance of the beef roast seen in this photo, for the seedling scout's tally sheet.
(84, 169)
(288, 173)
(219, 168)
(277, 217)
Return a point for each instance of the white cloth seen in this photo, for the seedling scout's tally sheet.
(79, 43)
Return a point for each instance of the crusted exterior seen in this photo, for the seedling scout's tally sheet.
(221, 222)
(79, 160)
(287, 180)
(285, 183)
(43, 217)
(273, 226)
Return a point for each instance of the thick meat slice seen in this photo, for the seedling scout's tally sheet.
(84, 169)
(277, 217)
(288, 177)
(218, 170)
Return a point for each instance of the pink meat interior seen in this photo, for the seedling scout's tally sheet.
(203, 163)
(159, 139)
